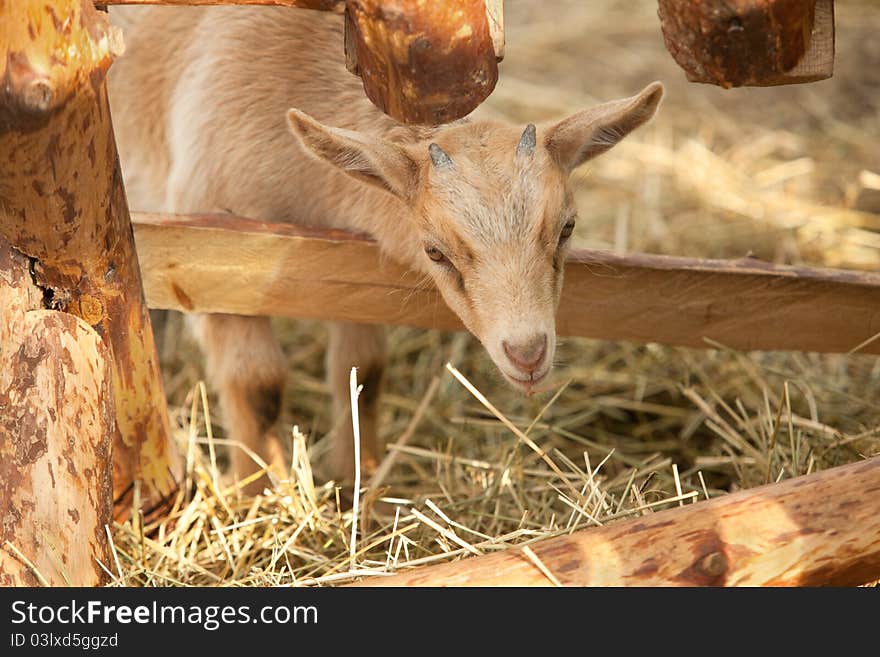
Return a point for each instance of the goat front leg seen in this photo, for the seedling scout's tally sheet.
(247, 368)
(362, 346)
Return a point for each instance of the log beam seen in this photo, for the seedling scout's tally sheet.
(423, 62)
(56, 429)
(62, 204)
(188, 262)
(335, 6)
(821, 529)
(734, 43)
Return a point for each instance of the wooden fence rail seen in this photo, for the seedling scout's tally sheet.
(821, 529)
(219, 263)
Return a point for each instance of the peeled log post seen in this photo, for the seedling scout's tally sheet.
(63, 205)
(56, 428)
(734, 43)
(423, 62)
(420, 62)
(816, 530)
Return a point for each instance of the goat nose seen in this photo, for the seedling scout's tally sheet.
(527, 356)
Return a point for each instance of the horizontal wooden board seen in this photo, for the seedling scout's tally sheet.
(337, 6)
(222, 263)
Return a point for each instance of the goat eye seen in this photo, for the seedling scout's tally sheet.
(567, 230)
(435, 254)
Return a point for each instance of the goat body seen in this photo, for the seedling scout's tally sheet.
(204, 103)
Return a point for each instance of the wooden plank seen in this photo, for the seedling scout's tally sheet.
(816, 530)
(220, 263)
(735, 43)
(818, 61)
(336, 6)
(423, 62)
(62, 204)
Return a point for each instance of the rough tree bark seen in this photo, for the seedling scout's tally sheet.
(56, 428)
(63, 205)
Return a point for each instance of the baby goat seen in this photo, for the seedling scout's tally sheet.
(201, 103)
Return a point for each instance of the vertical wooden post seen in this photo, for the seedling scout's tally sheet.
(62, 204)
(56, 430)
(733, 43)
(424, 62)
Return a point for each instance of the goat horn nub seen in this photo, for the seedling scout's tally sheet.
(439, 158)
(527, 142)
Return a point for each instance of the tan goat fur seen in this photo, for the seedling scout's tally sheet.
(204, 102)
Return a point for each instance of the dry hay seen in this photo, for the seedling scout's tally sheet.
(631, 428)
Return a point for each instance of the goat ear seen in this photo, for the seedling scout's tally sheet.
(375, 161)
(589, 133)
